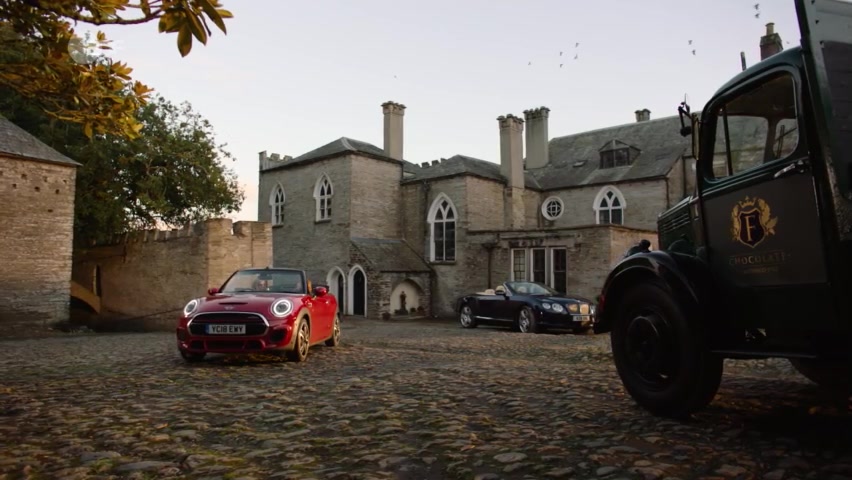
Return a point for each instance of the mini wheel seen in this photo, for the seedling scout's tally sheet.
(661, 355)
(302, 343)
(335, 335)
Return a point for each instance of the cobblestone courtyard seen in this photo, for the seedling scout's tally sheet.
(395, 400)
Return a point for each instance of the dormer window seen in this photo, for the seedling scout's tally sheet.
(617, 154)
(615, 158)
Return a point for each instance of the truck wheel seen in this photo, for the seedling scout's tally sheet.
(660, 355)
(835, 376)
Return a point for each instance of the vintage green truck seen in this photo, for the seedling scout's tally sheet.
(757, 262)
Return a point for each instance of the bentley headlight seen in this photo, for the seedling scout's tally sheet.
(546, 306)
(558, 308)
(282, 307)
(190, 307)
(573, 308)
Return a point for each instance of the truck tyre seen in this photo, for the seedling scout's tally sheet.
(834, 376)
(661, 356)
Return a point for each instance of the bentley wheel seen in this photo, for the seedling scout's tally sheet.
(466, 317)
(833, 376)
(335, 334)
(192, 357)
(661, 356)
(303, 343)
(526, 321)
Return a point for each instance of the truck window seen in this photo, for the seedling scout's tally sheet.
(757, 126)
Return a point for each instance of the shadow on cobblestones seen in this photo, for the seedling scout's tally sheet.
(399, 401)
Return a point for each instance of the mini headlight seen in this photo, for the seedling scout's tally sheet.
(190, 307)
(282, 307)
(546, 306)
(573, 308)
(558, 308)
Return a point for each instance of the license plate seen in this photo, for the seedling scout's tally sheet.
(582, 318)
(226, 329)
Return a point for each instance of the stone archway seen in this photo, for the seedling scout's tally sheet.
(336, 281)
(406, 298)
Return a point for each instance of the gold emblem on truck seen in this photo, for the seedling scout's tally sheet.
(752, 221)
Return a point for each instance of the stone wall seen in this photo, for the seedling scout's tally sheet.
(37, 204)
(592, 251)
(375, 183)
(302, 241)
(644, 199)
(152, 274)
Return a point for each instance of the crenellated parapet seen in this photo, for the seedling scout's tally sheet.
(216, 226)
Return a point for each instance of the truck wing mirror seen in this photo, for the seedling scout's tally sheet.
(683, 111)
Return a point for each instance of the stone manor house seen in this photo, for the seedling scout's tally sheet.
(386, 233)
(390, 236)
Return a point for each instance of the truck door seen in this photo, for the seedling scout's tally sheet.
(763, 235)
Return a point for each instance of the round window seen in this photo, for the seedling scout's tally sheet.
(552, 208)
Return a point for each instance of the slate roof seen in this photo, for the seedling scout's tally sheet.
(16, 141)
(575, 159)
(390, 255)
(456, 165)
(340, 146)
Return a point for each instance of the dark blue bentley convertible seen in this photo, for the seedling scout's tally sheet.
(529, 307)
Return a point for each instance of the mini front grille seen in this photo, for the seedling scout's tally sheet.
(254, 322)
(200, 328)
(227, 317)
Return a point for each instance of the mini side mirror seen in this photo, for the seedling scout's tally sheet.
(212, 291)
(320, 290)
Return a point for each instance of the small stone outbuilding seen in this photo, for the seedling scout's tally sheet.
(37, 188)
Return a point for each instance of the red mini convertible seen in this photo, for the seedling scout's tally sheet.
(260, 310)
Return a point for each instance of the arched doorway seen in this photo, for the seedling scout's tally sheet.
(337, 285)
(358, 291)
(341, 293)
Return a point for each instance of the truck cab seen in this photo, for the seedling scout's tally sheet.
(757, 262)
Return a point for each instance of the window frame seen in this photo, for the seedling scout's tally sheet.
(432, 220)
(546, 202)
(277, 218)
(601, 196)
(323, 200)
(710, 124)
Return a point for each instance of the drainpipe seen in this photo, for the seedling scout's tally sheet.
(489, 247)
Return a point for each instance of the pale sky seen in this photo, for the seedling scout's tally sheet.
(292, 76)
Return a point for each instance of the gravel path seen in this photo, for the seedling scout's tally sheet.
(400, 401)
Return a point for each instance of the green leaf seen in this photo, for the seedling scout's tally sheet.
(211, 12)
(195, 26)
(184, 40)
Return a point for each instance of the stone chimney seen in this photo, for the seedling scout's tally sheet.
(512, 167)
(643, 115)
(537, 137)
(393, 128)
(770, 44)
(512, 150)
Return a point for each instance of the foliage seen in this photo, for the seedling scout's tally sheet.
(59, 75)
(171, 174)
